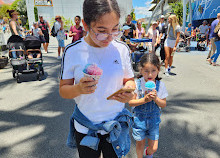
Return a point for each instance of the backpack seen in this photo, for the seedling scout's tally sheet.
(53, 32)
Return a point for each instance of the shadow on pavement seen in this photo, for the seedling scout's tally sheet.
(49, 119)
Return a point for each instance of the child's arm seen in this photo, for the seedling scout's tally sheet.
(160, 102)
(137, 102)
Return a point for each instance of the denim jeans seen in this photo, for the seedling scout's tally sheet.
(215, 56)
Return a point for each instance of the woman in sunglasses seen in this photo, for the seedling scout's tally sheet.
(97, 124)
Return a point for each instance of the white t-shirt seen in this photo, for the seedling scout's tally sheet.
(114, 60)
(36, 32)
(60, 33)
(162, 93)
(203, 29)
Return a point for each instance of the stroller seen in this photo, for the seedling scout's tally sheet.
(19, 50)
(140, 50)
(183, 43)
(201, 42)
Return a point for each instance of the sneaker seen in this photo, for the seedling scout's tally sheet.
(167, 73)
(59, 57)
(169, 69)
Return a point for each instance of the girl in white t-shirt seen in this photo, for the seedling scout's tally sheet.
(101, 21)
(147, 106)
(153, 34)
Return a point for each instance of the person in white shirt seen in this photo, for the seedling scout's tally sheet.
(60, 34)
(203, 28)
(153, 34)
(101, 21)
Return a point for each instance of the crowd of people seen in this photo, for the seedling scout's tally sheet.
(99, 125)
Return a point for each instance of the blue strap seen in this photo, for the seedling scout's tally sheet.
(157, 85)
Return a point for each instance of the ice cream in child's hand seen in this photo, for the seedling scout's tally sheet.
(150, 85)
(93, 71)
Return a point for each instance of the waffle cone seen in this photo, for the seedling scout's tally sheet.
(95, 77)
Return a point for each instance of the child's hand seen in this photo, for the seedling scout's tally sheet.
(147, 98)
(153, 95)
(87, 85)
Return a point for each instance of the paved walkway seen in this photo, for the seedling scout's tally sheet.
(34, 119)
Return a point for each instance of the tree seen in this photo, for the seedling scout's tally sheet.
(3, 11)
(177, 8)
(133, 14)
(36, 13)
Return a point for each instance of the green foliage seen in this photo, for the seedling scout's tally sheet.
(133, 14)
(36, 13)
(67, 23)
(144, 25)
(3, 11)
(177, 8)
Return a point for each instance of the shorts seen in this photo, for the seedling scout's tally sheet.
(146, 126)
(169, 43)
(61, 43)
(46, 36)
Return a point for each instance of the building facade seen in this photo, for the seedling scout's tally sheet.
(67, 8)
(205, 10)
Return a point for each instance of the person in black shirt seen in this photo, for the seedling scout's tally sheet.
(45, 28)
(131, 25)
(163, 33)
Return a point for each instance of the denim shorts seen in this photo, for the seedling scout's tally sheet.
(146, 126)
(61, 43)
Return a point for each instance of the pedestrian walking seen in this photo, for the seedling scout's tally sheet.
(153, 34)
(45, 28)
(215, 56)
(13, 23)
(97, 124)
(60, 35)
(147, 106)
(140, 31)
(173, 35)
(163, 35)
(212, 36)
(131, 25)
(76, 31)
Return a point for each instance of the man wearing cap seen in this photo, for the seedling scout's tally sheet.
(212, 36)
(45, 28)
(162, 37)
(60, 34)
(203, 28)
(131, 25)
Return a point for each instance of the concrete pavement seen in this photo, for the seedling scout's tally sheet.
(34, 119)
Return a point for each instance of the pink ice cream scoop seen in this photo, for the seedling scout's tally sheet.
(92, 70)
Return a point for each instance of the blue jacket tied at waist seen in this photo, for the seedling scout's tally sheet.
(118, 130)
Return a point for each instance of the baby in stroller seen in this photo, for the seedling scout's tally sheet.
(184, 42)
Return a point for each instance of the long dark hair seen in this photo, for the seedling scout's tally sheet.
(94, 9)
(149, 58)
(10, 12)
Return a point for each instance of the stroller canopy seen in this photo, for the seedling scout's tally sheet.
(32, 42)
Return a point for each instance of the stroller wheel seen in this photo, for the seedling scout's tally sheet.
(38, 76)
(18, 79)
(42, 71)
(13, 73)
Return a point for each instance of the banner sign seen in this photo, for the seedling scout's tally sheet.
(205, 9)
(47, 3)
